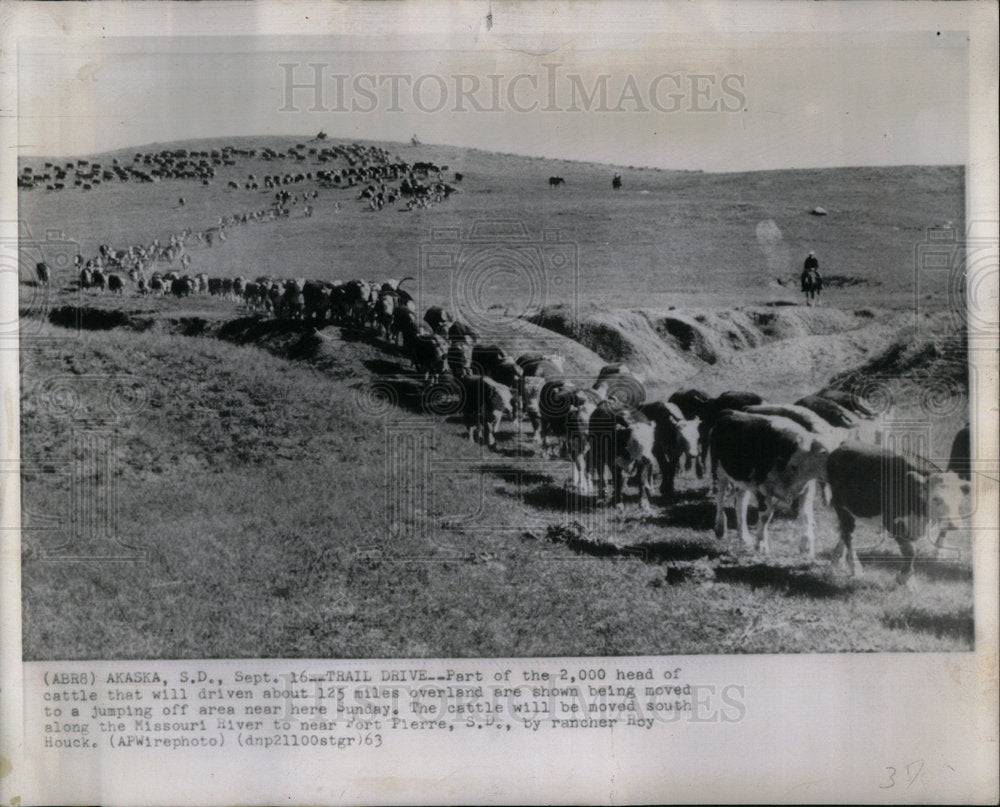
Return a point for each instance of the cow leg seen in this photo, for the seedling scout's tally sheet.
(763, 521)
(845, 546)
(586, 486)
(666, 488)
(618, 477)
(720, 510)
(805, 506)
(901, 533)
(645, 483)
(742, 505)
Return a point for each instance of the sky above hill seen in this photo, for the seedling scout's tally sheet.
(696, 98)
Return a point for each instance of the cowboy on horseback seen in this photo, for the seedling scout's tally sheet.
(811, 280)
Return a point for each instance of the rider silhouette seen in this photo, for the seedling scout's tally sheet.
(811, 280)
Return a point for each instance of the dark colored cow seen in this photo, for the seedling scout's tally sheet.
(907, 491)
(734, 400)
(772, 458)
(960, 460)
(459, 330)
(621, 440)
(484, 404)
(616, 383)
(428, 352)
(42, 271)
(438, 319)
(460, 357)
(115, 283)
(852, 403)
(691, 402)
(492, 361)
(555, 182)
(674, 439)
(831, 411)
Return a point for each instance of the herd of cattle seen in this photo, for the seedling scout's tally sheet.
(420, 183)
(779, 454)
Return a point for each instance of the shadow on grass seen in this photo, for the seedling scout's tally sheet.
(92, 319)
(960, 625)
(648, 551)
(808, 581)
(245, 330)
(929, 568)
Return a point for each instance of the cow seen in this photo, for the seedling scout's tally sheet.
(492, 361)
(460, 357)
(428, 352)
(555, 182)
(356, 298)
(906, 490)
(616, 383)
(182, 286)
(292, 301)
(484, 404)
(404, 321)
(315, 300)
(691, 402)
(385, 310)
(773, 458)
(621, 440)
(806, 418)
(215, 286)
(115, 283)
(960, 458)
(733, 399)
(537, 369)
(831, 411)
(42, 271)
(86, 278)
(201, 282)
(852, 403)
(541, 365)
(438, 319)
(98, 279)
(459, 330)
(674, 438)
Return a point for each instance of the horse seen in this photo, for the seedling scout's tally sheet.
(812, 285)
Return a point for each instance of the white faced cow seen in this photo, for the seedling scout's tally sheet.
(909, 493)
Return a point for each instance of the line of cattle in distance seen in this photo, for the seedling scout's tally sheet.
(777, 453)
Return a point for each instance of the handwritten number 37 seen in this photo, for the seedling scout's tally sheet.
(912, 772)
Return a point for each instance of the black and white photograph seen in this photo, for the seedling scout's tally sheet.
(503, 331)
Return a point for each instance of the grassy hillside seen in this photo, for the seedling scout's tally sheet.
(254, 503)
(667, 238)
(268, 490)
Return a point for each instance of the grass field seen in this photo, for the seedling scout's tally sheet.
(253, 463)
